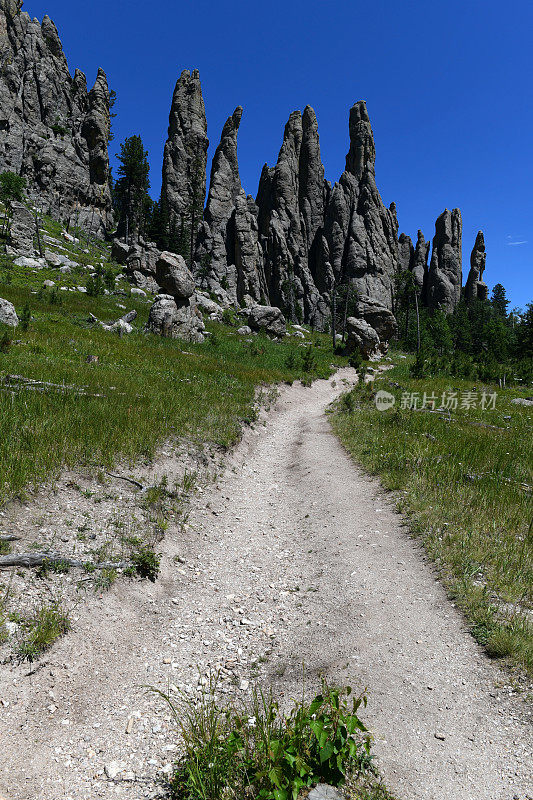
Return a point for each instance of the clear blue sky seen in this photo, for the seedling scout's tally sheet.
(448, 87)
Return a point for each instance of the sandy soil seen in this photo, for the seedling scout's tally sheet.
(292, 555)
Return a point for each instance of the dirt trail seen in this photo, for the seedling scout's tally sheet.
(294, 555)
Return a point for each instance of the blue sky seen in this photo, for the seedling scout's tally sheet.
(447, 85)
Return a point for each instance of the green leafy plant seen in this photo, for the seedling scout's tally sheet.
(261, 753)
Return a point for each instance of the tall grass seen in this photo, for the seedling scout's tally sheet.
(465, 479)
(143, 390)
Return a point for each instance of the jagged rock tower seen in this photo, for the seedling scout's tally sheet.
(52, 130)
(445, 275)
(476, 288)
(185, 155)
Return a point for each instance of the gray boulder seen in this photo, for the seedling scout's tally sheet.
(325, 792)
(476, 288)
(119, 251)
(22, 231)
(173, 276)
(378, 316)
(269, 319)
(52, 130)
(445, 275)
(176, 320)
(185, 154)
(8, 315)
(208, 306)
(140, 266)
(362, 337)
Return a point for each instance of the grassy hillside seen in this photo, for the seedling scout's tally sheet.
(465, 478)
(142, 390)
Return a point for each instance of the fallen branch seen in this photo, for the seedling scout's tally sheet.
(9, 538)
(49, 559)
(140, 486)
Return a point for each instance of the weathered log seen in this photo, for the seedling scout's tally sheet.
(9, 538)
(39, 559)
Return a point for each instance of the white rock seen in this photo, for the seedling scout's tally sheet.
(34, 263)
(137, 291)
(112, 769)
(8, 315)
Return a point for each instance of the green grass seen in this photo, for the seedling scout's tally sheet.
(41, 630)
(143, 390)
(465, 482)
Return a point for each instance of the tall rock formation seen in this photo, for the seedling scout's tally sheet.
(360, 239)
(419, 266)
(52, 131)
(300, 239)
(445, 270)
(185, 155)
(476, 288)
(406, 252)
(291, 199)
(228, 257)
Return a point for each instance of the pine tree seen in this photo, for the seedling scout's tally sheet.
(131, 189)
(499, 300)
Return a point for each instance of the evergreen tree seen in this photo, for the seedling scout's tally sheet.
(12, 187)
(499, 300)
(131, 189)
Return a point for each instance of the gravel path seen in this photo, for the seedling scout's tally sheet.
(293, 555)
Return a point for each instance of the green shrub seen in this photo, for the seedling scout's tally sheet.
(262, 754)
(146, 562)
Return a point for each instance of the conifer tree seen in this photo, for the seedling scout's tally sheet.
(131, 189)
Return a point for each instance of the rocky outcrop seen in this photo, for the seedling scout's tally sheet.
(445, 270)
(8, 315)
(52, 130)
(476, 288)
(228, 257)
(300, 239)
(22, 230)
(174, 277)
(185, 155)
(362, 337)
(268, 319)
(406, 252)
(140, 264)
(360, 234)
(175, 320)
(378, 316)
(291, 200)
(174, 313)
(419, 266)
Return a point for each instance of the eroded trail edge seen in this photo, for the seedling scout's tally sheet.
(292, 556)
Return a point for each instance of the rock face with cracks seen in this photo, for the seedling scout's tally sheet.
(53, 131)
